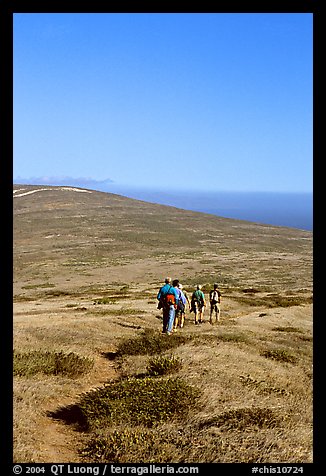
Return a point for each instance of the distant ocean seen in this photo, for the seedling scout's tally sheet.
(293, 210)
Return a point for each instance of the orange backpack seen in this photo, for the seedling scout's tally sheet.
(169, 299)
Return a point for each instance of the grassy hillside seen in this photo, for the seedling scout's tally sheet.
(93, 374)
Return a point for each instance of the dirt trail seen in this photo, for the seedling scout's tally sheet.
(60, 443)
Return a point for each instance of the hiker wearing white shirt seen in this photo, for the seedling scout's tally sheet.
(215, 300)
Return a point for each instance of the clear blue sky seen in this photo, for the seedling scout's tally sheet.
(199, 101)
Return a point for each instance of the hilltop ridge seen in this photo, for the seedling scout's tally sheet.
(99, 230)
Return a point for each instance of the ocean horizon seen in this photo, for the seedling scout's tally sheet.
(286, 209)
(289, 209)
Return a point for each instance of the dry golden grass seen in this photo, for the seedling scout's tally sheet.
(90, 289)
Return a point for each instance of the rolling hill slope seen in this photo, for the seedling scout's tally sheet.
(87, 268)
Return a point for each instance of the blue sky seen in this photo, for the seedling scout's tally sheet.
(193, 101)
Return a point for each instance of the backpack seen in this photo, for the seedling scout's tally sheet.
(197, 297)
(180, 306)
(169, 299)
(166, 300)
(213, 295)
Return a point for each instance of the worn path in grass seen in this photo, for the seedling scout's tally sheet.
(60, 442)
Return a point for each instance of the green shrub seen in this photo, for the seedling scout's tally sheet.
(50, 363)
(34, 286)
(162, 365)
(242, 418)
(272, 300)
(165, 444)
(127, 312)
(139, 445)
(57, 293)
(233, 337)
(262, 386)
(104, 300)
(280, 355)
(121, 445)
(150, 343)
(286, 329)
(133, 401)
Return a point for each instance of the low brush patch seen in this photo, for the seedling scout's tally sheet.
(35, 286)
(242, 418)
(104, 300)
(272, 300)
(262, 386)
(146, 401)
(164, 444)
(115, 445)
(163, 364)
(150, 343)
(280, 355)
(50, 363)
(139, 445)
(57, 293)
(233, 337)
(287, 329)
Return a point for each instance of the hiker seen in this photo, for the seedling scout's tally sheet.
(168, 300)
(186, 296)
(183, 314)
(180, 310)
(215, 300)
(198, 304)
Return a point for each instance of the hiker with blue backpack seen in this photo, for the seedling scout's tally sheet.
(168, 301)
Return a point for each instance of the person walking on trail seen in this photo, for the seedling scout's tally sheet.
(198, 304)
(168, 300)
(185, 295)
(185, 300)
(215, 300)
(180, 310)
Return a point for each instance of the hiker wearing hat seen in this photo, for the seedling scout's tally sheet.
(198, 304)
(168, 300)
(215, 300)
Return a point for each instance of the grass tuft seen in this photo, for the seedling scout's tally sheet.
(150, 343)
(145, 401)
(272, 300)
(104, 300)
(242, 418)
(280, 355)
(233, 337)
(50, 363)
(163, 364)
(286, 329)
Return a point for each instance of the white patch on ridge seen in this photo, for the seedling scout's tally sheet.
(71, 189)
